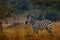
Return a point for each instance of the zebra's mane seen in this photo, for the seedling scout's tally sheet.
(36, 18)
(31, 16)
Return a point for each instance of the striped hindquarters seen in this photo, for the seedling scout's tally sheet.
(46, 23)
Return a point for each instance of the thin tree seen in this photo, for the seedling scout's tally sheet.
(4, 12)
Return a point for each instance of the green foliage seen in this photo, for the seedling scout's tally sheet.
(52, 14)
(36, 15)
(5, 11)
(2, 8)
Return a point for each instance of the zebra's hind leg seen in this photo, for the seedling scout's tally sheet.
(49, 31)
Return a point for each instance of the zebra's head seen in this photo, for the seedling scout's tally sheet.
(30, 19)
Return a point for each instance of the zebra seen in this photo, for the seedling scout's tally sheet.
(39, 24)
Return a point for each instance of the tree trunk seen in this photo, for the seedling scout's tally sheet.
(1, 30)
(6, 20)
(43, 11)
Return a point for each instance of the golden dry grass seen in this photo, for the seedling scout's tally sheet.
(25, 32)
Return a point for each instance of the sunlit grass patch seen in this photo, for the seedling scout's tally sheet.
(25, 32)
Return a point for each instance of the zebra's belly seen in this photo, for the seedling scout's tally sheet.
(37, 27)
(41, 28)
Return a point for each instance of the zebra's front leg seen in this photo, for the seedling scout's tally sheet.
(35, 31)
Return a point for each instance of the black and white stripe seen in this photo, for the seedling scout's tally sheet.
(39, 24)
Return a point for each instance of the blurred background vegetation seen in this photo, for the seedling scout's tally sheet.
(10, 8)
